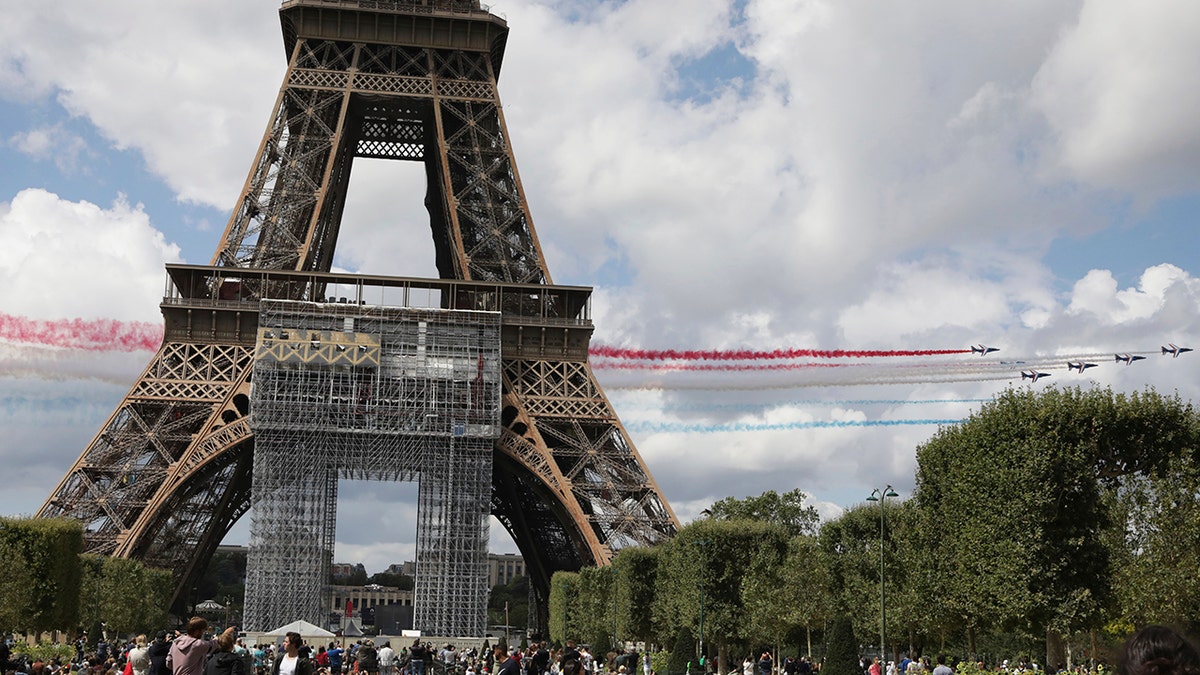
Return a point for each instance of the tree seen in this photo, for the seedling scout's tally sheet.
(44, 594)
(516, 595)
(402, 581)
(564, 612)
(1019, 499)
(708, 561)
(841, 653)
(788, 510)
(125, 594)
(807, 585)
(636, 579)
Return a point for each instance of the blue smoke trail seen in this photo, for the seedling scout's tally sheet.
(679, 428)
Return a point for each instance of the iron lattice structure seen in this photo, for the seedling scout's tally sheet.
(372, 393)
(414, 80)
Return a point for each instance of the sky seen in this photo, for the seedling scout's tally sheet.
(736, 178)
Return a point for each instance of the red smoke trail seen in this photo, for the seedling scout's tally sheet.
(93, 335)
(755, 355)
(711, 368)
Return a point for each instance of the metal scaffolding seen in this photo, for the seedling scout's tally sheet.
(372, 393)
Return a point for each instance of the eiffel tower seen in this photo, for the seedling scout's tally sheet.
(270, 359)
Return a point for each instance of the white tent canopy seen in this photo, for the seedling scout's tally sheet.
(304, 628)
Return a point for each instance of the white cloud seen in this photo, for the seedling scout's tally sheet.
(886, 174)
(189, 84)
(61, 259)
(54, 143)
(1097, 294)
(1122, 96)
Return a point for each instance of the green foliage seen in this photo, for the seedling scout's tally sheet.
(564, 613)
(595, 604)
(1063, 509)
(787, 510)
(402, 581)
(637, 578)
(683, 652)
(43, 557)
(44, 651)
(516, 594)
(841, 652)
(224, 577)
(711, 560)
(660, 661)
(130, 597)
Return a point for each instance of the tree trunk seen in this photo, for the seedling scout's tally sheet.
(808, 634)
(970, 642)
(1054, 648)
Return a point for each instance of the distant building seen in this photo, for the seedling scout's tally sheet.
(504, 567)
(408, 569)
(371, 603)
(347, 570)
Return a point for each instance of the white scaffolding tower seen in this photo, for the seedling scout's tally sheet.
(372, 393)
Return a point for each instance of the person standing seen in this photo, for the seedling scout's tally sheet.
(942, 668)
(139, 656)
(387, 659)
(367, 658)
(335, 658)
(416, 658)
(224, 661)
(291, 662)
(157, 651)
(188, 652)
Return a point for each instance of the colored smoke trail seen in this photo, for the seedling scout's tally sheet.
(93, 335)
(757, 355)
(702, 406)
(679, 428)
(709, 367)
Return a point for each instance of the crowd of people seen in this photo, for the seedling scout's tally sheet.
(1154, 650)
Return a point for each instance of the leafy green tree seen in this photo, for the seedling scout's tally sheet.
(1019, 497)
(806, 586)
(125, 594)
(850, 547)
(636, 581)
(708, 561)
(841, 652)
(788, 510)
(402, 581)
(771, 598)
(516, 595)
(595, 604)
(44, 594)
(565, 613)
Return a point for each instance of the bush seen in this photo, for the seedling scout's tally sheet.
(841, 654)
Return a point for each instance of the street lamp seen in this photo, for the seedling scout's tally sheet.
(704, 566)
(881, 496)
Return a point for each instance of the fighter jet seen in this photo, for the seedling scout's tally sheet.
(983, 350)
(1127, 358)
(1033, 375)
(1175, 351)
(1079, 365)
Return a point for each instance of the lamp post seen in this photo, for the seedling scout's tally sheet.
(878, 495)
(703, 568)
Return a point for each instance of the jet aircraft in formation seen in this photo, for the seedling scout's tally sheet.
(983, 350)
(1033, 375)
(1128, 358)
(1175, 351)
(1079, 365)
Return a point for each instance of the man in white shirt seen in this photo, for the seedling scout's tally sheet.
(387, 660)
